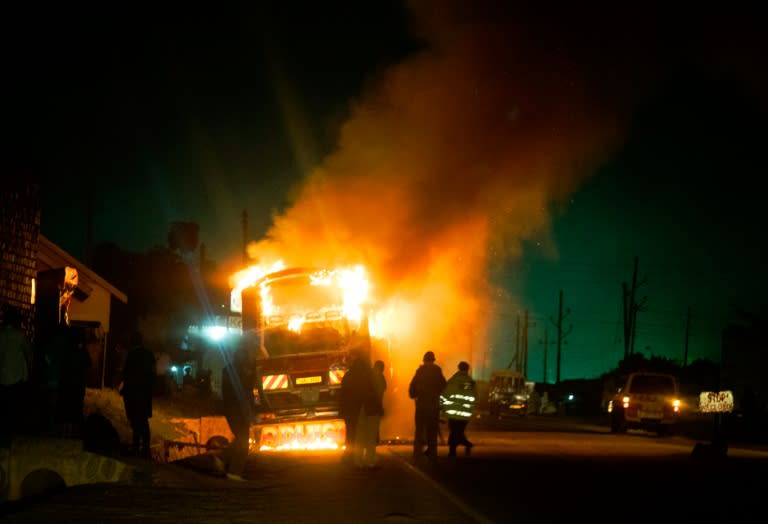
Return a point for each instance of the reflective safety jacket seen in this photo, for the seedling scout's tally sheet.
(459, 396)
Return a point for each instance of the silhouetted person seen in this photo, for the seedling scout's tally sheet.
(204, 382)
(139, 373)
(73, 377)
(365, 385)
(459, 398)
(15, 366)
(356, 385)
(750, 409)
(425, 388)
(237, 382)
(188, 380)
(367, 430)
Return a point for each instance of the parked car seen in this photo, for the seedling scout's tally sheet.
(648, 401)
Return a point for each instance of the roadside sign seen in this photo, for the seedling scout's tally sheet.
(716, 401)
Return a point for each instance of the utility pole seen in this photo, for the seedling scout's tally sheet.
(687, 336)
(627, 318)
(89, 226)
(631, 307)
(546, 343)
(560, 334)
(524, 367)
(244, 223)
(515, 362)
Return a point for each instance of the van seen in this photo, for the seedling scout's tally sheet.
(649, 401)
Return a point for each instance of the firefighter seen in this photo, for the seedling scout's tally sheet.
(458, 403)
(425, 388)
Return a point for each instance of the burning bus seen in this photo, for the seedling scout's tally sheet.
(302, 325)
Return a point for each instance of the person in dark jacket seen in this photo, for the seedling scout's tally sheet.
(425, 388)
(356, 387)
(139, 373)
(15, 372)
(371, 391)
(73, 378)
(237, 383)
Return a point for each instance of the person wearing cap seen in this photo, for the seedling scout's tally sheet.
(425, 389)
(458, 402)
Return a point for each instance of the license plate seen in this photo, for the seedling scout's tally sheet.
(649, 414)
(309, 380)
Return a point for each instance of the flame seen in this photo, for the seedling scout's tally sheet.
(352, 282)
(246, 278)
(354, 285)
(304, 436)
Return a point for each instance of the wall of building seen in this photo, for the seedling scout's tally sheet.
(19, 229)
(95, 308)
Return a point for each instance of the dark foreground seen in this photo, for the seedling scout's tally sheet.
(521, 473)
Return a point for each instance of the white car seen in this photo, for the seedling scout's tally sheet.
(649, 401)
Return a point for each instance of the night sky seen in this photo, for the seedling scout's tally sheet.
(534, 150)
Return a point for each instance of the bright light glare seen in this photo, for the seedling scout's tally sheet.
(215, 332)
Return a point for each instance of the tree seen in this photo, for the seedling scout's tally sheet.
(183, 237)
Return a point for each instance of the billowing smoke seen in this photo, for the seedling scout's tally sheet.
(447, 162)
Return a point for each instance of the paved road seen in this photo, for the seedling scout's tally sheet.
(284, 488)
(543, 474)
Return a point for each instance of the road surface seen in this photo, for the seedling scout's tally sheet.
(524, 472)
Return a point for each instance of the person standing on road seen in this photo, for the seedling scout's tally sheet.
(367, 430)
(73, 379)
(15, 366)
(425, 388)
(139, 373)
(237, 383)
(356, 388)
(458, 402)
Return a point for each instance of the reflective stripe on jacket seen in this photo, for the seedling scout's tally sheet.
(459, 397)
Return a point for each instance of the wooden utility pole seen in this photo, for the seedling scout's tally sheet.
(631, 307)
(518, 343)
(560, 334)
(524, 366)
(546, 345)
(687, 336)
(627, 321)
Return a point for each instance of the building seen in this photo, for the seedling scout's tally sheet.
(84, 300)
(46, 283)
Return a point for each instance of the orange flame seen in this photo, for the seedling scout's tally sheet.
(352, 283)
(303, 436)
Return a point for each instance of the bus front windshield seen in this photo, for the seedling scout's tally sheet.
(303, 318)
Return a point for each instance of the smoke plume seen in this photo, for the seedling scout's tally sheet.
(447, 162)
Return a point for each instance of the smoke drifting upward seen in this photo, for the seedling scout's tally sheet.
(448, 161)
